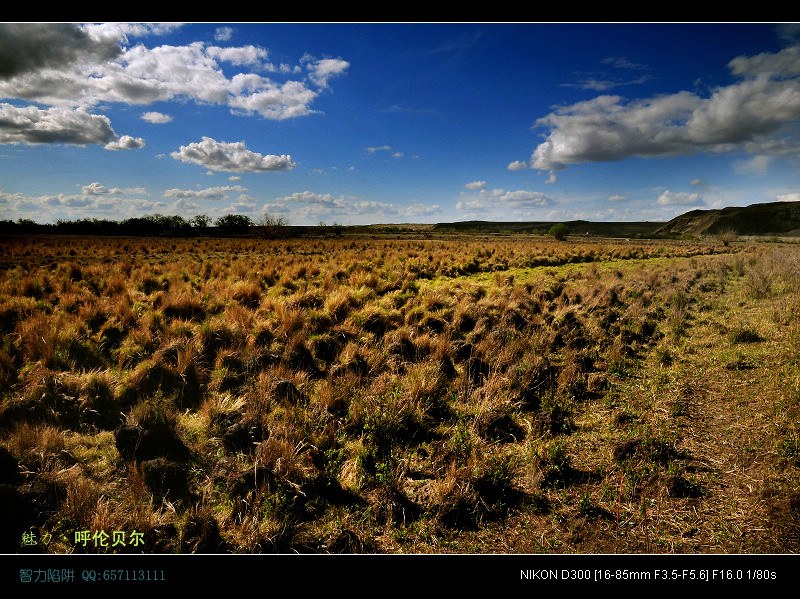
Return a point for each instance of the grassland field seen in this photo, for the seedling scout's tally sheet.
(400, 394)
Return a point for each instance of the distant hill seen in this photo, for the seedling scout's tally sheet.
(576, 227)
(772, 218)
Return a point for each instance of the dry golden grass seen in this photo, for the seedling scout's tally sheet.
(505, 394)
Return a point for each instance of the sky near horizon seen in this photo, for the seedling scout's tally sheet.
(389, 123)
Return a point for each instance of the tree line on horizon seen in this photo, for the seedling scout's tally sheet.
(161, 225)
(151, 224)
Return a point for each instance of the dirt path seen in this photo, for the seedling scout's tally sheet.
(742, 393)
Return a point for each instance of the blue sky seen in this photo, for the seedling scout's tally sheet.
(380, 123)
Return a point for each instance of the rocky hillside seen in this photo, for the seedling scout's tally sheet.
(772, 218)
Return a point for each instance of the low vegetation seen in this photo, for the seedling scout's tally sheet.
(559, 231)
(358, 394)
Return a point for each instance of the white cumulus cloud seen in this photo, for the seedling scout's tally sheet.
(51, 207)
(254, 94)
(517, 165)
(470, 205)
(311, 198)
(223, 34)
(309, 206)
(126, 142)
(66, 65)
(617, 198)
(29, 47)
(120, 32)
(525, 198)
(238, 56)
(680, 198)
(750, 115)
(209, 193)
(157, 118)
(32, 125)
(96, 189)
(231, 157)
(421, 210)
(320, 71)
(184, 205)
(785, 63)
(518, 202)
(475, 185)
